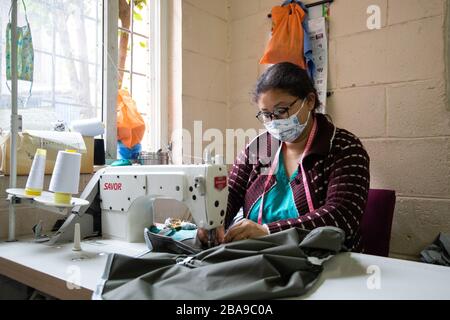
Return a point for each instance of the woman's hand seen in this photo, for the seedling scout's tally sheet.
(203, 234)
(245, 229)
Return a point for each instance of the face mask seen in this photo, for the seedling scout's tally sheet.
(25, 52)
(287, 130)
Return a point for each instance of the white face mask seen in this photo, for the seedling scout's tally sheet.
(287, 130)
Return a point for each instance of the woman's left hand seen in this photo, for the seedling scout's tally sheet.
(245, 229)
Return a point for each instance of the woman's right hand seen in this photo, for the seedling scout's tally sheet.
(203, 236)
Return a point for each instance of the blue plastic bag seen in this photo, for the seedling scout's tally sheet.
(125, 153)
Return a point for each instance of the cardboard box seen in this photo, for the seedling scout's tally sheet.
(27, 149)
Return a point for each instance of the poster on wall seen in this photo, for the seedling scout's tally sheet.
(319, 43)
(319, 11)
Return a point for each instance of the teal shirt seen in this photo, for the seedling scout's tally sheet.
(279, 201)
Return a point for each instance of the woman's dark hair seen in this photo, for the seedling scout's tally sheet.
(287, 77)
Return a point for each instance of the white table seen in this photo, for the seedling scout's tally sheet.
(55, 270)
(350, 276)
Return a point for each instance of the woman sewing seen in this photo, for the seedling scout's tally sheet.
(303, 172)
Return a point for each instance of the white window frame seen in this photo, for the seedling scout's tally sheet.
(158, 112)
(110, 75)
(159, 74)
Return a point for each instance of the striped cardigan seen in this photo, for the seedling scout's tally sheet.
(337, 169)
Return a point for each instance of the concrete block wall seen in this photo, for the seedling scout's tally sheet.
(400, 73)
(204, 67)
(389, 89)
(250, 29)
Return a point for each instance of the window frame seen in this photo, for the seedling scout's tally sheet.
(110, 75)
(158, 75)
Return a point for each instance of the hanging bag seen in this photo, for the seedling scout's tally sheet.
(130, 124)
(25, 53)
(286, 44)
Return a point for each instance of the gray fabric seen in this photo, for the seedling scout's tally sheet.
(276, 266)
(439, 252)
(160, 243)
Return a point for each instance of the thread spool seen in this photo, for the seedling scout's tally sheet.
(35, 182)
(99, 152)
(207, 157)
(66, 176)
(88, 128)
(218, 160)
(77, 238)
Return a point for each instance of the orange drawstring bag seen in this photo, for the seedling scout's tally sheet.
(286, 44)
(130, 124)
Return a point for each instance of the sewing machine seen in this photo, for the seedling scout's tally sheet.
(124, 198)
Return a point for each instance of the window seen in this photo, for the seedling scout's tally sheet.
(69, 83)
(134, 57)
(67, 39)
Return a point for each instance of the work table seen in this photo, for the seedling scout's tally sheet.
(57, 271)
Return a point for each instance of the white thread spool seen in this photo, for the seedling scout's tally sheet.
(88, 128)
(218, 160)
(66, 176)
(35, 182)
(77, 238)
(207, 157)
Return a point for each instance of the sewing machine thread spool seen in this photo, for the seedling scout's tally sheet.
(66, 176)
(35, 182)
(218, 160)
(89, 127)
(207, 158)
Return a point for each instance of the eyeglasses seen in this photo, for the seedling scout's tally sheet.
(278, 113)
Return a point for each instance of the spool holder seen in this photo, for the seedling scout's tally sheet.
(18, 197)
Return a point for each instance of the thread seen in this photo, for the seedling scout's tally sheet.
(218, 159)
(35, 182)
(88, 128)
(207, 157)
(33, 192)
(63, 198)
(66, 176)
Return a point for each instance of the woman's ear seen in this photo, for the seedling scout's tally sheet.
(311, 101)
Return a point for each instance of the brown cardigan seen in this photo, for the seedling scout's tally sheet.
(337, 169)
